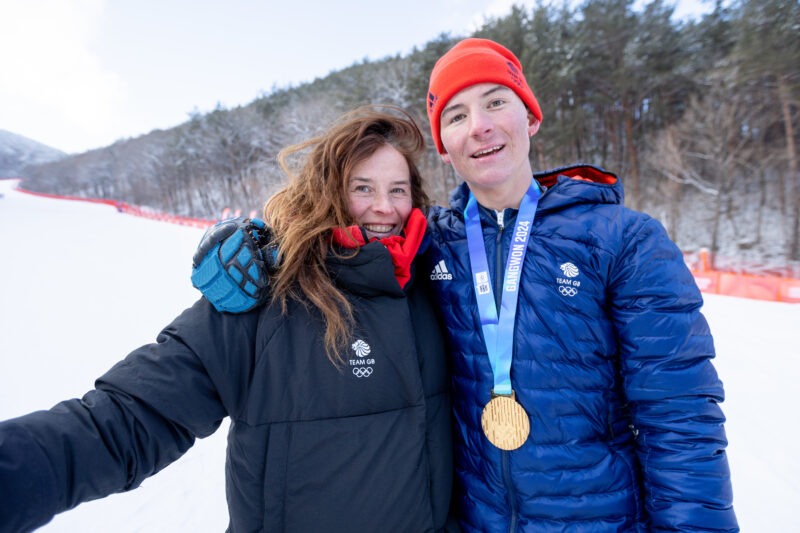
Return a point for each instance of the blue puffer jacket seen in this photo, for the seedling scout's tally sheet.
(611, 362)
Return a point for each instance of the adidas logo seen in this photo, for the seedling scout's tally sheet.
(440, 272)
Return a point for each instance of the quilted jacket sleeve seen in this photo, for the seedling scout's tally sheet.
(143, 414)
(672, 388)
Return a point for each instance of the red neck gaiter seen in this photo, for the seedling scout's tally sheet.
(402, 248)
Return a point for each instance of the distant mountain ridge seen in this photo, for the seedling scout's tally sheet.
(17, 152)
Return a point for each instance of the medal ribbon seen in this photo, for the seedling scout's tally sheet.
(499, 334)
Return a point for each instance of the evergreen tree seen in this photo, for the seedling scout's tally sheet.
(768, 48)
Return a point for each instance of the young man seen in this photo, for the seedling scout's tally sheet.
(584, 396)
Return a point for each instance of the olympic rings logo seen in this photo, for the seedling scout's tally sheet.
(567, 291)
(362, 372)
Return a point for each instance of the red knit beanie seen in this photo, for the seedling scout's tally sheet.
(470, 62)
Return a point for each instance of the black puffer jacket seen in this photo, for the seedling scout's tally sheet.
(365, 447)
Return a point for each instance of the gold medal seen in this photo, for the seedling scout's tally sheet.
(505, 423)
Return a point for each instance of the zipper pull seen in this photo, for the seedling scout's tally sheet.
(500, 216)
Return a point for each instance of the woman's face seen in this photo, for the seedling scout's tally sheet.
(379, 193)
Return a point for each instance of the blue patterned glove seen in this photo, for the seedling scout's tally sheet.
(232, 264)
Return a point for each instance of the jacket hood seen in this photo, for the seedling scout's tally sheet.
(367, 272)
(565, 186)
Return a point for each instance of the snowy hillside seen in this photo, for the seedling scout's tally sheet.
(17, 151)
(81, 285)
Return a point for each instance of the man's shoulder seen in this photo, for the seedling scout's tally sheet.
(445, 224)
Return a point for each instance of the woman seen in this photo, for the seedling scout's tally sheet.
(336, 390)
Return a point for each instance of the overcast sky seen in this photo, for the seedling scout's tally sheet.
(81, 74)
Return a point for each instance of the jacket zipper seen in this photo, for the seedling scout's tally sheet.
(498, 284)
(498, 270)
(512, 495)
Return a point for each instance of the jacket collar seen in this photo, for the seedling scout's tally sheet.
(400, 250)
(565, 186)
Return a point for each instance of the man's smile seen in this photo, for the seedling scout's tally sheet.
(487, 151)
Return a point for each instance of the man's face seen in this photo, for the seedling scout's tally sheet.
(486, 132)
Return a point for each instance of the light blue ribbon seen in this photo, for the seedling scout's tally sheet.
(499, 334)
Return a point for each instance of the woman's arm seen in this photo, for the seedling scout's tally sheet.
(142, 415)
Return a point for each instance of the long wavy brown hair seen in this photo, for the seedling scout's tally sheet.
(303, 214)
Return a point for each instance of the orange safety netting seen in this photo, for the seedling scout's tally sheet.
(775, 288)
(129, 209)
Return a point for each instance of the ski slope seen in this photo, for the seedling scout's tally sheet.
(82, 285)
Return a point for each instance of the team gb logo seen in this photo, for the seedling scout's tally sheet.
(569, 270)
(568, 285)
(361, 348)
(361, 364)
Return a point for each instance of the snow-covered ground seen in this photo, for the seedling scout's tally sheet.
(81, 285)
